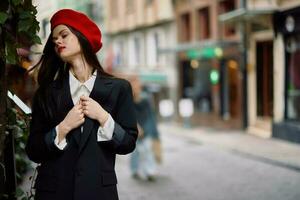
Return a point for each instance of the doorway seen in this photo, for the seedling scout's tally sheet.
(264, 79)
(234, 89)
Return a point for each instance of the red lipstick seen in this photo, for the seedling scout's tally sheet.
(60, 49)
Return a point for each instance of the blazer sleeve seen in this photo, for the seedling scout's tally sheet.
(125, 131)
(40, 144)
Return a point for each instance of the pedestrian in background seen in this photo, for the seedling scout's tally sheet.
(143, 163)
(81, 116)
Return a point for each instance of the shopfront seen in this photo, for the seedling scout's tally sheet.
(210, 76)
(287, 26)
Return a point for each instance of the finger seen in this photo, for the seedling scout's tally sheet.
(81, 110)
(79, 107)
(84, 98)
(85, 103)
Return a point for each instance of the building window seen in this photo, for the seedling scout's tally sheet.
(120, 54)
(129, 6)
(91, 10)
(293, 74)
(204, 24)
(185, 29)
(137, 50)
(156, 43)
(114, 8)
(45, 28)
(148, 2)
(224, 7)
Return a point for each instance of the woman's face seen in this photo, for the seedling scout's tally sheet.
(66, 43)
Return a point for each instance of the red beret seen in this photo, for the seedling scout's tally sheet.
(81, 23)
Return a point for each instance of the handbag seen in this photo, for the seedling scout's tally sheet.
(157, 150)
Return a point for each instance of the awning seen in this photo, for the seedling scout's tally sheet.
(153, 77)
(198, 45)
(243, 14)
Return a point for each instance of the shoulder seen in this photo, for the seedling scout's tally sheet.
(119, 83)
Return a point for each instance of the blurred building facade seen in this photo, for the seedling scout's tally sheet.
(208, 59)
(137, 30)
(286, 123)
(254, 19)
(225, 56)
(236, 59)
(270, 67)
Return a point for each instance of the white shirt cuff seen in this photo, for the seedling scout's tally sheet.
(62, 143)
(105, 133)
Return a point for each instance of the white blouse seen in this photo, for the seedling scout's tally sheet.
(78, 89)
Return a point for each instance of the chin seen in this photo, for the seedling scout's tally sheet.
(65, 57)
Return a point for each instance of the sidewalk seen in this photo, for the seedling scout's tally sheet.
(274, 151)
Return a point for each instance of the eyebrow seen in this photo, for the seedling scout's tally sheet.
(60, 33)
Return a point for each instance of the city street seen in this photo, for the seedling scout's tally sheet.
(203, 163)
(218, 81)
(194, 170)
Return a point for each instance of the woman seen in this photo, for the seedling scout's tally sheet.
(142, 162)
(81, 116)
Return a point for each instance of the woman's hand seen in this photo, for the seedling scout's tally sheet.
(140, 131)
(74, 119)
(93, 109)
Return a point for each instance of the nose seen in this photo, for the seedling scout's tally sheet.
(58, 41)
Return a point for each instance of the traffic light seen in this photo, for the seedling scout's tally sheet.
(214, 76)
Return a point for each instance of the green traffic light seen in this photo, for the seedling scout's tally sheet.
(214, 76)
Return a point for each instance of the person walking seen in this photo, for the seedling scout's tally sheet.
(143, 163)
(81, 116)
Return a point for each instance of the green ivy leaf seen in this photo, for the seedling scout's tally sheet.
(36, 39)
(3, 17)
(16, 2)
(33, 9)
(24, 25)
(11, 53)
(19, 192)
(25, 14)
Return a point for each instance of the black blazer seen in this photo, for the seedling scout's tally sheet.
(85, 168)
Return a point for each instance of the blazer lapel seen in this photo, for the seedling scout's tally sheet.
(100, 92)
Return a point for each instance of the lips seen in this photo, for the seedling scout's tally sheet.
(60, 49)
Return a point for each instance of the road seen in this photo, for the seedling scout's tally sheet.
(193, 170)
(196, 168)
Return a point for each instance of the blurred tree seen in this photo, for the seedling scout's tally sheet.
(18, 28)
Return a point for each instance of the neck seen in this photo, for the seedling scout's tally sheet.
(81, 70)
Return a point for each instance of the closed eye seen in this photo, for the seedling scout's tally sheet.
(62, 33)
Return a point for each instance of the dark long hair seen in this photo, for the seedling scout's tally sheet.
(51, 67)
